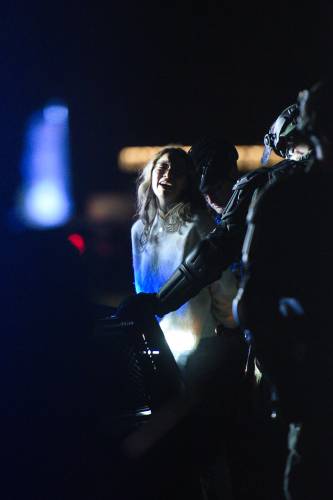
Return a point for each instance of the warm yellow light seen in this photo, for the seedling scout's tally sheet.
(132, 159)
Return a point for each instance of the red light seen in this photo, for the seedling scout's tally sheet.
(78, 241)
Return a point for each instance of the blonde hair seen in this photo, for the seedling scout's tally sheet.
(147, 205)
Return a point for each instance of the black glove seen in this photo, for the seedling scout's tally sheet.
(137, 306)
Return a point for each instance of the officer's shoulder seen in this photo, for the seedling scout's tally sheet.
(286, 175)
(263, 175)
(287, 168)
(279, 194)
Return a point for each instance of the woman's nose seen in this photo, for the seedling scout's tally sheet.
(167, 172)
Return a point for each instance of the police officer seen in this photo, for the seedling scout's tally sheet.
(285, 297)
(216, 162)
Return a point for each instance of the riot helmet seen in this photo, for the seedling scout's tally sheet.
(280, 137)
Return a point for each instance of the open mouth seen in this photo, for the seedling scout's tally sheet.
(165, 184)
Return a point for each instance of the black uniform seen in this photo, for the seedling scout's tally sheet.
(284, 301)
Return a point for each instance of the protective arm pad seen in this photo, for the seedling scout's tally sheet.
(201, 267)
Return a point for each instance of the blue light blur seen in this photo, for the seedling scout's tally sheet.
(45, 199)
(55, 114)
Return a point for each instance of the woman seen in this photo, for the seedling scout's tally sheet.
(171, 221)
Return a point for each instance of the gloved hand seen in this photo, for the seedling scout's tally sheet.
(136, 306)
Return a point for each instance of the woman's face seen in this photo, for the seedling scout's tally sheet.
(169, 180)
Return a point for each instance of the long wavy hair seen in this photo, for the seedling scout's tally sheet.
(147, 203)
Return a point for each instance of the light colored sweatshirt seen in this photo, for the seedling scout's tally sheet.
(155, 263)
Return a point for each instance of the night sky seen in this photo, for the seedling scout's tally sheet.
(133, 74)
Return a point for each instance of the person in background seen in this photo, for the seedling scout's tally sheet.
(216, 163)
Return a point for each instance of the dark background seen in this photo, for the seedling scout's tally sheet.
(138, 74)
